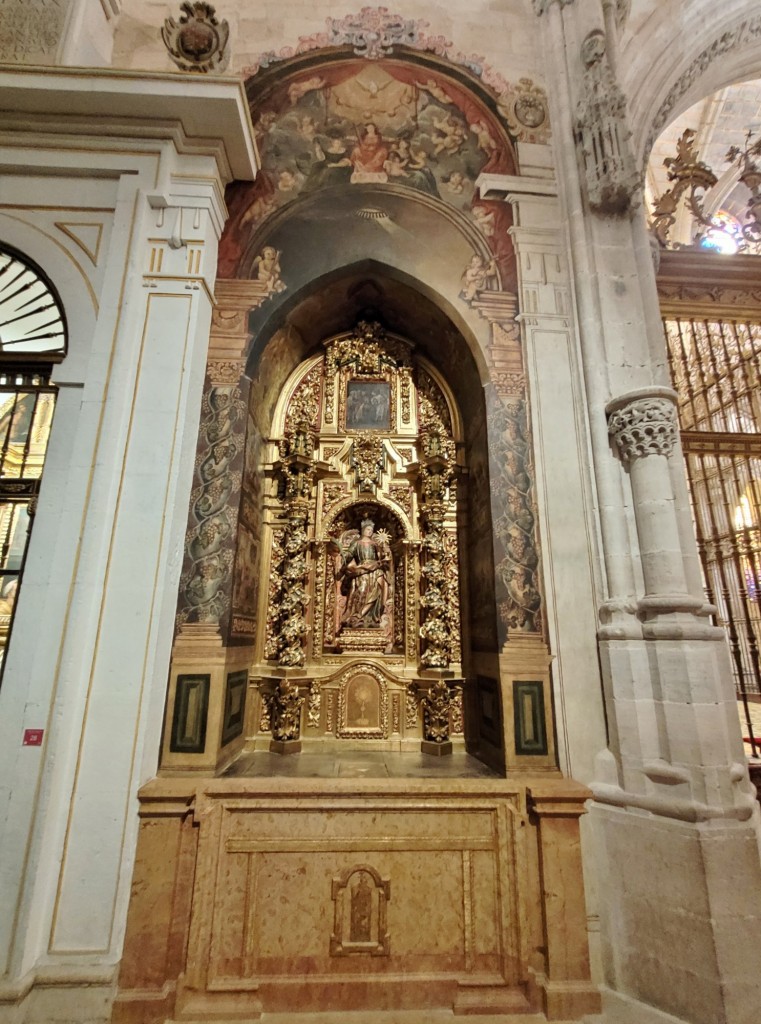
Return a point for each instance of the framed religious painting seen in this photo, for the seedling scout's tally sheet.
(368, 405)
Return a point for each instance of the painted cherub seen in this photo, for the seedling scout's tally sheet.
(476, 275)
(455, 182)
(450, 135)
(484, 137)
(485, 220)
(267, 269)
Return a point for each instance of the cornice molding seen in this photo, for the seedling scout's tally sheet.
(542, 6)
(703, 284)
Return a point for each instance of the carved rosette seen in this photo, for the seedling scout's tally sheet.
(438, 704)
(285, 704)
(644, 423)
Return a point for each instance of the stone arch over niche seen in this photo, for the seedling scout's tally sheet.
(503, 590)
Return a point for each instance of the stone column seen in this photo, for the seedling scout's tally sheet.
(680, 885)
(644, 427)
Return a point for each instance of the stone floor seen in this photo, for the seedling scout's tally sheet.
(382, 765)
(355, 764)
(399, 1017)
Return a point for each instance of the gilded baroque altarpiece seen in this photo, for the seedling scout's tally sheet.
(361, 634)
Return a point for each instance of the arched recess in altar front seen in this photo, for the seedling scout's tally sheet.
(364, 248)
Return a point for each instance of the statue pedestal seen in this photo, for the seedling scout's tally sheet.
(436, 749)
(366, 641)
(285, 746)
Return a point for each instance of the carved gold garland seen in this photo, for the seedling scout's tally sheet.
(313, 705)
(438, 703)
(402, 495)
(321, 600)
(440, 627)
(412, 613)
(285, 711)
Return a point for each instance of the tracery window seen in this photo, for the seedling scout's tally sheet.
(32, 340)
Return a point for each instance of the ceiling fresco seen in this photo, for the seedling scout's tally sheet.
(387, 125)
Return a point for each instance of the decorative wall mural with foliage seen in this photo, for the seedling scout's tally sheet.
(376, 124)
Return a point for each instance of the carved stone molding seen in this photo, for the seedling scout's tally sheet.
(198, 41)
(542, 6)
(728, 41)
(602, 134)
(702, 284)
(644, 423)
(359, 917)
(497, 307)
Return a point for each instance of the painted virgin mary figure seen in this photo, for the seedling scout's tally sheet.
(362, 564)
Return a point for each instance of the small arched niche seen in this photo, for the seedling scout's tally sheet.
(365, 241)
(367, 476)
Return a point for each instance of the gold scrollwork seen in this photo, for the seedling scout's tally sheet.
(402, 495)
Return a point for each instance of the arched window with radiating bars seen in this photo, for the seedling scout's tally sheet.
(32, 340)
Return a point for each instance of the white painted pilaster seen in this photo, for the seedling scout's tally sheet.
(107, 548)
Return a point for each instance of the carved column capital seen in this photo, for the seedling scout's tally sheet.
(644, 423)
(542, 6)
